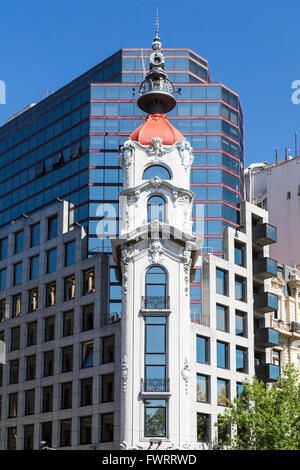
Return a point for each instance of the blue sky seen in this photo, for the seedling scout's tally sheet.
(252, 47)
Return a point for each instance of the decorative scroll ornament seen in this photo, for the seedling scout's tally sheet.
(126, 258)
(126, 157)
(186, 375)
(156, 149)
(124, 373)
(187, 261)
(125, 446)
(156, 182)
(186, 154)
(155, 251)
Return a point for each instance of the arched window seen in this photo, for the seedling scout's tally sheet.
(156, 170)
(156, 208)
(156, 288)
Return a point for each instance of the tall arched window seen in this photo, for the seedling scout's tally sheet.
(156, 170)
(156, 208)
(156, 288)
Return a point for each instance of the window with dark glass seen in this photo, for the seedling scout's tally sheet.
(239, 253)
(156, 208)
(240, 323)
(155, 353)
(222, 318)
(222, 392)
(3, 279)
(86, 392)
(35, 235)
(33, 298)
(12, 405)
(3, 248)
(47, 433)
(67, 358)
(47, 394)
(221, 282)
(69, 288)
(34, 267)
(203, 427)
(70, 253)
(108, 349)
(48, 363)
(16, 306)
(222, 355)
(202, 388)
(18, 268)
(12, 438)
(15, 338)
(85, 430)
(241, 359)
(239, 389)
(240, 288)
(107, 427)
(28, 436)
(87, 317)
(223, 433)
(49, 328)
(1, 375)
(68, 323)
(51, 260)
(30, 367)
(29, 402)
(202, 349)
(87, 354)
(2, 310)
(51, 294)
(156, 288)
(156, 171)
(155, 418)
(14, 371)
(19, 238)
(31, 333)
(65, 433)
(66, 395)
(107, 388)
(52, 227)
(89, 281)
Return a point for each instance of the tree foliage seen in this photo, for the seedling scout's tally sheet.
(265, 416)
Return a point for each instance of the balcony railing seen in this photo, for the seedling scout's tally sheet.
(266, 337)
(155, 302)
(266, 302)
(264, 234)
(267, 372)
(154, 385)
(265, 268)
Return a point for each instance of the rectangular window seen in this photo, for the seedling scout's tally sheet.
(16, 306)
(155, 418)
(239, 389)
(12, 438)
(202, 349)
(2, 310)
(66, 395)
(241, 359)
(88, 281)
(240, 323)
(240, 288)
(51, 260)
(49, 328)
(18, 268)
(222, 392)
(3, 279)
(3, 248)
(52, 227)
(202, 388)
(107, 388)
(15, 339)
(223, 434)
(108, 349)
(31, 333)
(222, 318)
(65, 433)
(203, 434)
(67, 359)
(29, 402)
(222, 355)
(239, 254)
(51, 294)
(28, 436)
(155, 354)
(87, 354)
(69, 288)
(70, 253)
(34, 267)
(86, 392)
(35, 235)
(12, 405)
(48, 363)
(85, 430)
(33, 298)
(14, 372)
(68, 323)
(30, 367)
(47, 399)
(107, 427)
(47, 433)
(19, 238)
(87, 317)
(221, 282)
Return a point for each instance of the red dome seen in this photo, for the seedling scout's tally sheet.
(156, 125)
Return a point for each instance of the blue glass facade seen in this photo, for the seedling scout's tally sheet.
(67, 146)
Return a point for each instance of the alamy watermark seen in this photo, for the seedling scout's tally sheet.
(2, 92)
(296, 94)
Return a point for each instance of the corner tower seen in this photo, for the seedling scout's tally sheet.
(155, 253)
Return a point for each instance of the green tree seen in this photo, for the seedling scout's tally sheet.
(265, 416)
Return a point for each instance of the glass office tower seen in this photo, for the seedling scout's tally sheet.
(67, 147)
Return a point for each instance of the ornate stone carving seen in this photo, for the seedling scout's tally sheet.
(156, 149)
(187, 261)
(125, 446)
(126, 157)
(124, 373)
(185, 373)
(155, 250)
(186, 154)
(156, 182)
(126, 258)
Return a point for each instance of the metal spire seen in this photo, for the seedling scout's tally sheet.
(157, 24)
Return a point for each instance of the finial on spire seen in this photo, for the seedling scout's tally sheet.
(157, 24)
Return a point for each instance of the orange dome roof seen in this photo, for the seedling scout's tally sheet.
(156, 125)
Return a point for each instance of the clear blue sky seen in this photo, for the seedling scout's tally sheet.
(252, 46)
